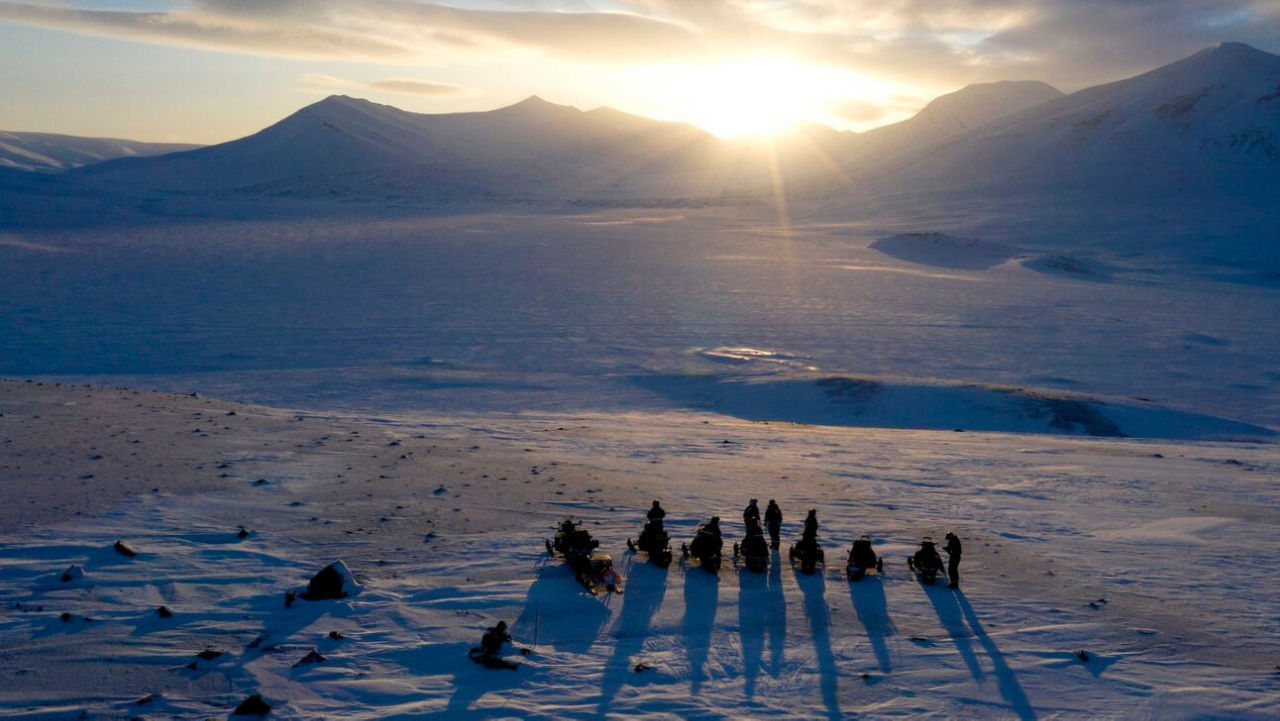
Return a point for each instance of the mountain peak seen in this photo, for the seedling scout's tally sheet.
(536, 104)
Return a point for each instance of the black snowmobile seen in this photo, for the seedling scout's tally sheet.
(862, 559)
(593, 570)
(706, 546)
(808, 553)
(926, 563)
(654, 542)
(754, 549)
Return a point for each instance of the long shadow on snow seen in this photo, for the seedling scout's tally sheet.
(753, 617)
(814, 588)
(646, 587)
(944, 604)
(1010, 689)
(471, 681)
(701, 596)
(869, 603)
(560, 613)
(777, 619)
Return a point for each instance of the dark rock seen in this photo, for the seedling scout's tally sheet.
(1082, 655)
(192, 666)
(642, 667)
(260, 482)
(124, 549)
(73, 573)
(312, 657)
(147, 699)
(242, 533)
(333, 581)
(289, 598)
(164, 612)
(66, 617)
(209, 654)
(253, 706)
(335, 636)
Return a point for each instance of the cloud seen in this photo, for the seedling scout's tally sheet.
(944, 43)
(409, 86)
(401, 86)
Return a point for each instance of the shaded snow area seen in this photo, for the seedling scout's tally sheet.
(1147, 557)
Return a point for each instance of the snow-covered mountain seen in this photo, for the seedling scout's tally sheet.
(348, 146)
(953, 114)
(1211, 120)
(50, 152)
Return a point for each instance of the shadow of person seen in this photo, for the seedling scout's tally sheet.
(753, 616)
(646, 587)
(471, 681)
(944, 604)
(1010, 689)
(869, 603)
(701, 596)
(814, 589)
(776, 620)
(559, 612)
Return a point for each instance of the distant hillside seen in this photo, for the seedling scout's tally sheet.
(1210, 121)
(51, 153)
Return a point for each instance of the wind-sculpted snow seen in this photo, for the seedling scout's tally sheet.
(1140, 555)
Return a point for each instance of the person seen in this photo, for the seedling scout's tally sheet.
(656, 512)
(773, 522)
(708, 542)
(861, 556)
(750, 513)
(491, 642)
(653, 528)
(953, 560)
(753, 543)
(927, 555)
(810, 532)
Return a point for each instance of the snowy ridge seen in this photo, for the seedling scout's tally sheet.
(1210, 121)
(936, 405)
(50, 152)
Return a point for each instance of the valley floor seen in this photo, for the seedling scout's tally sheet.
(1151, 557)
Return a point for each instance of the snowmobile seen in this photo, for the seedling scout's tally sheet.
(571, 539)
(654, 542)
(706, 546)
(926, 563)
(861, 559)
(808, 553)
(593, 570)
(754, 550)
(478, 655)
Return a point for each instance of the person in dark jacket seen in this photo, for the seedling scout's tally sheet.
(750, 513)
(491, 642)
(953, 560)
(656, 512)
(810, 532)
(773, 522)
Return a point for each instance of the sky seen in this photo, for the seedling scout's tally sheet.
(207, 71)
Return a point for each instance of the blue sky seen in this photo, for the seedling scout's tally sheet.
(213, 70)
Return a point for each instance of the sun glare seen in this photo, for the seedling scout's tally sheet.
(759, 96)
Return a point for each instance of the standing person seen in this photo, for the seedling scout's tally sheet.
(953, 560)
(773, 522)
(751, 512)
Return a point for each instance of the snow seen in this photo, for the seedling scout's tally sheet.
(419, 349)
(49, 152)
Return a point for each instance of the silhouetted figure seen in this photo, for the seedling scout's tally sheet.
(773, 522)
(751, 513)
(861, 558)
(810, 526)
(656, 512)
(753, 546)
(953, 560)
(494, 637)
(707, 544)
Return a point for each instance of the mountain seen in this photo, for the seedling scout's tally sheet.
(351, 147)
(1209, 121)
(50, 152)
(953, 114)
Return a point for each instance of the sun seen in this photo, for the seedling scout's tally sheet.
(749, 97)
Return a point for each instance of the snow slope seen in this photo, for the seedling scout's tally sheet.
(1209, 122)
(49, 152)
(1126, 551)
